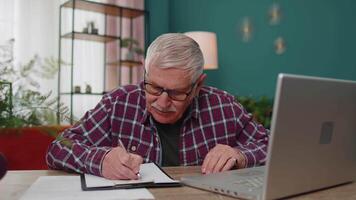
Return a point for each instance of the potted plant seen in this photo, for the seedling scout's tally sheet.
(261, 109)
(133, 48)
(27, 116)
(22, 104)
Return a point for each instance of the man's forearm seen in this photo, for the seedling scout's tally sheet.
(79, 158)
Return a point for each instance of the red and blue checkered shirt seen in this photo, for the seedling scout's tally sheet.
(214, 117)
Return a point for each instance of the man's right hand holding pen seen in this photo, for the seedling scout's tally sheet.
(121, 164)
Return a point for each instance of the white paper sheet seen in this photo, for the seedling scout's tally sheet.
(149, 172)
(68, 187)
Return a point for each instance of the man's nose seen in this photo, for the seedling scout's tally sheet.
(163, 100)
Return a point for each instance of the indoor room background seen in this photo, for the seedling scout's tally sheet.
(256, 40)
(316, 38)
(319, 39)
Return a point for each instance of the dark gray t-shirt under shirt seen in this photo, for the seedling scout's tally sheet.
(169, 137)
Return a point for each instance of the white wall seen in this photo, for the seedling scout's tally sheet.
(36, 32)
(6, 20)
(35, 27)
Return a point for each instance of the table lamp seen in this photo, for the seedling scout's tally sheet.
(208, 44)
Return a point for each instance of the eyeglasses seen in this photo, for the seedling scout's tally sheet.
(173, 94)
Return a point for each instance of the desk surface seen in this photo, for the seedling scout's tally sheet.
(15, 183)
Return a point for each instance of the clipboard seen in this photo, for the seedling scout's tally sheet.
(153, 176)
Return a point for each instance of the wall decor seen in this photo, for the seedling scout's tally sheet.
(280, 46)
(274, 14)
(246, 29)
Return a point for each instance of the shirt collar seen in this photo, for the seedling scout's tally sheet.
(195, 107)
(145, 111)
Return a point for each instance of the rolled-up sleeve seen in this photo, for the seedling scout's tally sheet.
(252, 138)
(83, 147)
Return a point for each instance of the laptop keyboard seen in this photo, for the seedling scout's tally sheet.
(252, 182)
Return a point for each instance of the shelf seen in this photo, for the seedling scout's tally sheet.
(109, 9)
(128, 63)
(90, 37)
(111, 15)
(73, 93)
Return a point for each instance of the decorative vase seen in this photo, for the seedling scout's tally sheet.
(130, 55)
(77, 89)
(88, 89)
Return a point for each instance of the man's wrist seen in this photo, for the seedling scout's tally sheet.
(102, 161)
(241, 160)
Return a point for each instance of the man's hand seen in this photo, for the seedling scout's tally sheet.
(119, 164)
(222, 158)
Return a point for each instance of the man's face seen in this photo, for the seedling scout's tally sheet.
(164, 109)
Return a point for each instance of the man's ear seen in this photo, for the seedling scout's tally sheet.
(143, 63)
(200, 83)
(144, 67)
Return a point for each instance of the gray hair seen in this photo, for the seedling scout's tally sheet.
(176, 50)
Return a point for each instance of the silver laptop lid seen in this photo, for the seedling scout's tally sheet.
(313, 135)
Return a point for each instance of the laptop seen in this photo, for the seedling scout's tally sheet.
(312, 143)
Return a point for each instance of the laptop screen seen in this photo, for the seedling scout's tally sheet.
(312, 135)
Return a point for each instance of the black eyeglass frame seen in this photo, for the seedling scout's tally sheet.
(169, 91)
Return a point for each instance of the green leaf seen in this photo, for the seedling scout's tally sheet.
(261, 109)
(29, 106)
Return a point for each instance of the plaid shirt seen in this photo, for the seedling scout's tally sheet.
(213, 117)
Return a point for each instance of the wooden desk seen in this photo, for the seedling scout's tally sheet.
(15, 183)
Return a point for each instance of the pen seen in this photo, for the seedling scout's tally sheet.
(122, 145)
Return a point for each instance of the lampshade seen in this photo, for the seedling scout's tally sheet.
(208, 45)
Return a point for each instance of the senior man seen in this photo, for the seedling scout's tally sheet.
(171, 118)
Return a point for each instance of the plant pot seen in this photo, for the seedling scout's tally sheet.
(25, 148)
(130, 55)
(3, 165)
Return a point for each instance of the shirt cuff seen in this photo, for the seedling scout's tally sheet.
(94, 160)
(249, 157)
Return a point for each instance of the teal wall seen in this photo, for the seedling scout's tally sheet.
(158, 17)
(320, 37)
